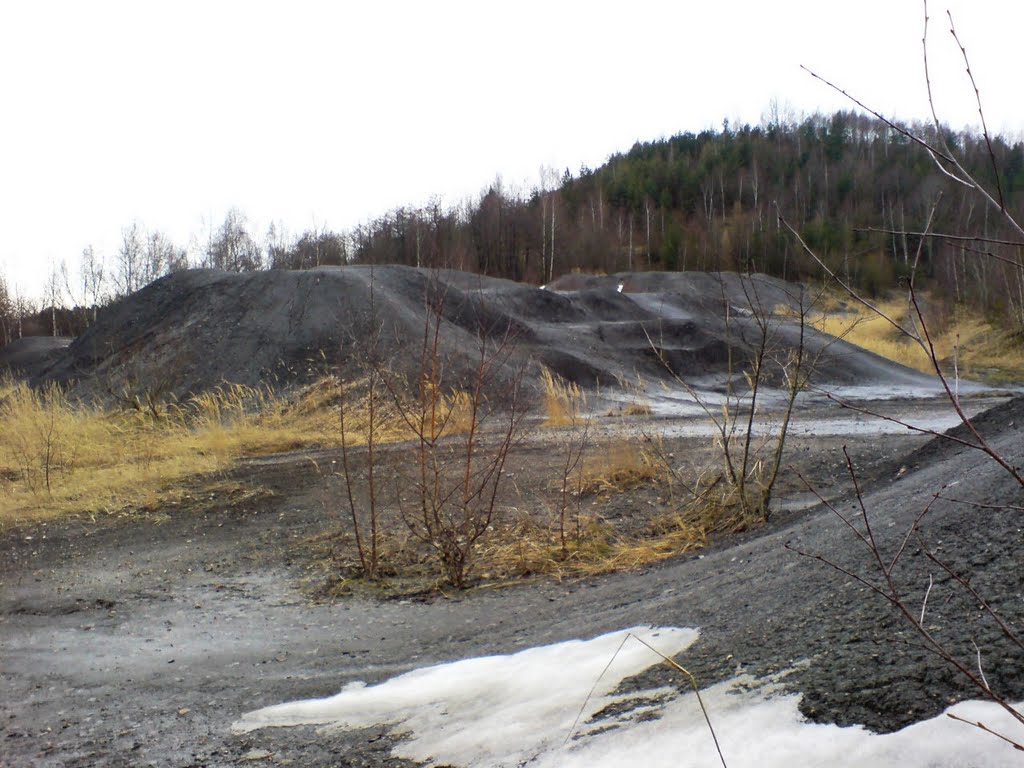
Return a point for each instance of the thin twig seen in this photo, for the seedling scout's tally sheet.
(914, 528)
(979, 505)
(981, 726)
(966, 585)
(668, 660)
(848, 289)
(696, 689)
(934, 151)
(942, 236)
(981, 671)
(964, 176)
(830, 506)
(981, 112)
(993, 255)
(593, 688)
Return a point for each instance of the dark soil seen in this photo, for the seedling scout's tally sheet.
(138, 641)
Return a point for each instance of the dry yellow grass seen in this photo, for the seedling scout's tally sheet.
(619, 467)
(58, 457)
(458, 413)
(967, 343)
(528, 549)
(563, 401)
(637, 408)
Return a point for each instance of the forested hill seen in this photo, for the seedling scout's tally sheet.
(853, 188)
(707, 201)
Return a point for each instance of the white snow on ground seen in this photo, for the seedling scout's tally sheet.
(678, 402)
(837, 427)
(490, 711)
(686, 417)
(507, 711)
(762, 729)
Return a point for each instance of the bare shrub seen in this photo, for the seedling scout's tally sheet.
(38, 436)
(745, 480)
(565, 405)
(879, 569)
(448, 495)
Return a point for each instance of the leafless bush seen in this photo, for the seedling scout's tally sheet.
(750, 466)
(368, 544)
(448, 495)
(37, 436)
(879, 572)
(566, 407)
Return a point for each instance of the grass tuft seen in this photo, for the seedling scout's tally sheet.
(620, 467)
(637, 408)
(530, 549)
(564, 402)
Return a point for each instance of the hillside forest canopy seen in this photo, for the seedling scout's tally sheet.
(853, 187)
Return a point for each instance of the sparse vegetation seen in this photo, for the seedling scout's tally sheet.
(619, 466)
(430, 480)
(562, 400)
(965, 342)
(758, 356)
(60, 457)
(566, 406)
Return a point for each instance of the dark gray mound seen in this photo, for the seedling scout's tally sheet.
(30, 356)
(707, 290)
(196, 329)
(764, 608)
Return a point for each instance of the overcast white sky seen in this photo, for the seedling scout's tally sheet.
(330, 113)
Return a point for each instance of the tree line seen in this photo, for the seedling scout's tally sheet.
(857, 190)
(74, 293)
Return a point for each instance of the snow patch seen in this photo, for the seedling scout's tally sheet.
(491, 711)
(519, 709)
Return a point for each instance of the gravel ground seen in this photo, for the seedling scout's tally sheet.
(138, 642)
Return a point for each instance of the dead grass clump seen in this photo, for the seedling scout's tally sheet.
(528, 548)
(620, 467)
(524, 547)
(675, 537)
(637, 408)
(564, 402)
(723, 512)
(458, 413)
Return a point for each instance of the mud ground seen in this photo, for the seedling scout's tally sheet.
(137, 641)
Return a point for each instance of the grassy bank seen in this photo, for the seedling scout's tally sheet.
(965, 342)
(58, 457)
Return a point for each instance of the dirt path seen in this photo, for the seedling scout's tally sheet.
(139, 643)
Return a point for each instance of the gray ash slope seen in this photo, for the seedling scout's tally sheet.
(28, 357)
(780, 599)
(196, 329)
